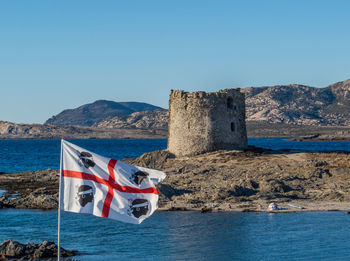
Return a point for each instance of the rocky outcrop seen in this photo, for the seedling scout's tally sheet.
(13, 250)
(92, 113)
(154, 159)
(247, 177)
(30, 189)
(151, 120)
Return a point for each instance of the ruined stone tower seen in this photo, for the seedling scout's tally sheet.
(200, 122)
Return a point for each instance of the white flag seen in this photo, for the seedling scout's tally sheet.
(106, 187)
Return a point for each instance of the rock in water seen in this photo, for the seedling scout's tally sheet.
(10, 249)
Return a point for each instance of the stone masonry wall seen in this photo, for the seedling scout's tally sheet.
(200, 122)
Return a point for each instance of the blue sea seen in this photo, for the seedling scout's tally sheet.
(30, 155)
(174, 235)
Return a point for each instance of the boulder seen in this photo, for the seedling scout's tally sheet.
(14, 250)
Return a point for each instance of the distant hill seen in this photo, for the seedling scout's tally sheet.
(92, 113)
(300, 104)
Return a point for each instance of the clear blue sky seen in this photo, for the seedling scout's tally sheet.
(61, 54)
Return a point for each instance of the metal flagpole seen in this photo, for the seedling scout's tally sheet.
(59, 208)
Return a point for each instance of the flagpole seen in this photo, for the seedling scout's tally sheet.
(59, 208)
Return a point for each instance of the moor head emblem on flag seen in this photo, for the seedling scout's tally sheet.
(85, 195)
(138, 176)
(138, 207)
(86, 159)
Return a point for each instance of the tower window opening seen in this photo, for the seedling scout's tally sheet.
(230, 103)
(232, 127)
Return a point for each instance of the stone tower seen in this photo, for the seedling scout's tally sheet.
(200, 122)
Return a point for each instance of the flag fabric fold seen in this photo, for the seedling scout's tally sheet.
(106, 187)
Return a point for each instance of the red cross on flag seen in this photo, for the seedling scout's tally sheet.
(104, 187)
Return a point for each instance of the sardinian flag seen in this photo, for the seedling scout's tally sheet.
(92, 184)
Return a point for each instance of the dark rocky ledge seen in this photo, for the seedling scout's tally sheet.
(13, 250)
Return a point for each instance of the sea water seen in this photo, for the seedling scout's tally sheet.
(189, 235)
(174, 235)
(30, 155)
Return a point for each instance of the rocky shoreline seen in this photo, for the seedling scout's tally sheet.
(13, 250)
(240, 181)
(339, 136)
(220, 181)
(30, 189)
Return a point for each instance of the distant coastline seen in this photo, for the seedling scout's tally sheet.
(10, 130)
